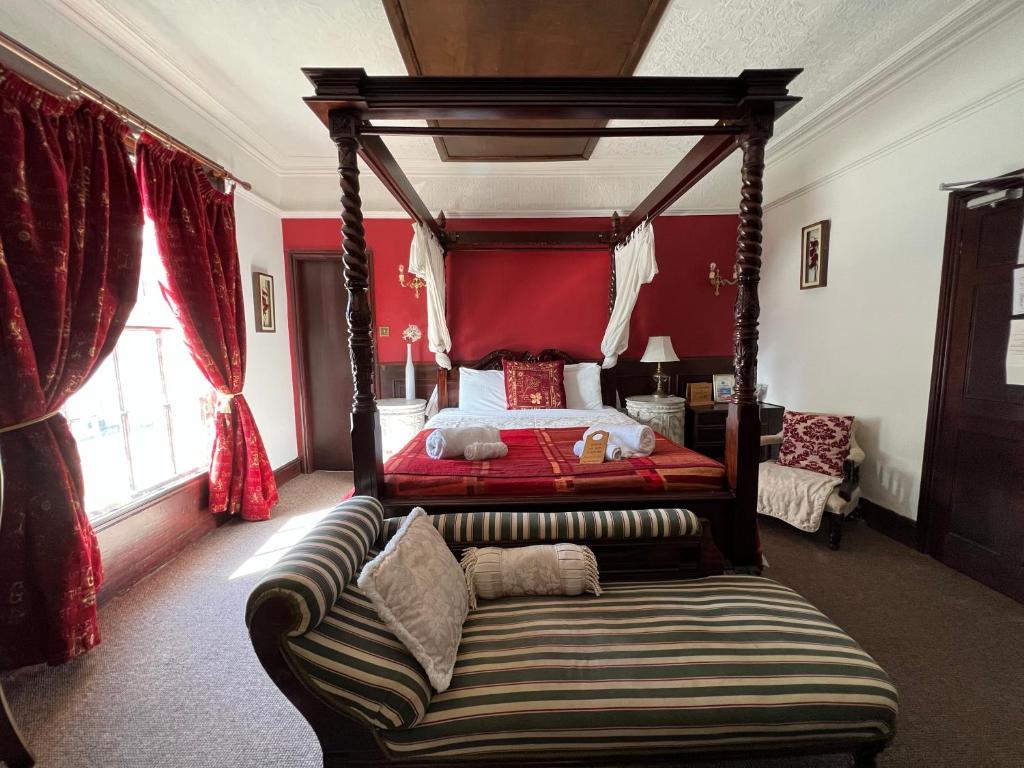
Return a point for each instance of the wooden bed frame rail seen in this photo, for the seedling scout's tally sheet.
(742, 111)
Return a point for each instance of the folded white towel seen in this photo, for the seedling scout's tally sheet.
(485, 451)
(612, 452)
(451, 442)
(635, 440)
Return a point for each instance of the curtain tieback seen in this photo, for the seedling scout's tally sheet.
(29, 423)
(224, 400)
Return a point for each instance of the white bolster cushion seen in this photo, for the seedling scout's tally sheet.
(542, 569)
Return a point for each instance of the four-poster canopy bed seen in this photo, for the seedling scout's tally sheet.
(737, 112)
(728, 665)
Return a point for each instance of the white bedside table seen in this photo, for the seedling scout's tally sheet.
(665, 415)
(400, 420)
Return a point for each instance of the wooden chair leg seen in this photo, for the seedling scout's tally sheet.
(13, 749)
(835, 530)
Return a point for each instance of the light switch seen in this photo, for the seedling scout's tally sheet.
(385, 331)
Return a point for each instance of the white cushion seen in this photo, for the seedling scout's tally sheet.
(482, 390)
(583, 386)
(418, 589)
(541, 569)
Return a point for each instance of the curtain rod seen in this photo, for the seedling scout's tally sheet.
(80, 89)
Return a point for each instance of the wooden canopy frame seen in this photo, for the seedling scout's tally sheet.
(736, 112)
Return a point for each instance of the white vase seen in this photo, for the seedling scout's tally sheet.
(410, 374)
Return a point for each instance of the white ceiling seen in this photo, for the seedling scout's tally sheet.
(224, 75)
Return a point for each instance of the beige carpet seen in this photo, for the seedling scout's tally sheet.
(175, 682)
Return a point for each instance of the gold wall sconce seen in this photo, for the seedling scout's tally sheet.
(416, 283)
(716, 280)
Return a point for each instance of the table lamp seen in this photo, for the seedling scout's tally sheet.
(659, 350)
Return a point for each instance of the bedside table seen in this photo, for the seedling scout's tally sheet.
(705, 427)
(665, 415)
(400, 421)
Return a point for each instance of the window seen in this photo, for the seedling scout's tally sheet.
(144, 421)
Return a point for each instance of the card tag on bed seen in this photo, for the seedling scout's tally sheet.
(593, 447)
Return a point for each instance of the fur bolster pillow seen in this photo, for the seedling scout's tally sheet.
(543, 569)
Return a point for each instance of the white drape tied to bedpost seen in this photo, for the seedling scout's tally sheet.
(634, 266)
(426, 260)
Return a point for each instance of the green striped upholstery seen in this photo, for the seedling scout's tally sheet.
(314, 572)
(729, 662)
(360, 667)
(515, 527)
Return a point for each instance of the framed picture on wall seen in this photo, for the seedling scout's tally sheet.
(814, 255)
(724, 384)
(263, 301)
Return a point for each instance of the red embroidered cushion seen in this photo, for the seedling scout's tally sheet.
(534, 385)
(815, 441)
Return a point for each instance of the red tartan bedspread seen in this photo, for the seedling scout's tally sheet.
(540, 461)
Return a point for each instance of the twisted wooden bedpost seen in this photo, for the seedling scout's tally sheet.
(367, 456)
(442, 374)
(743, 427)
(613, 240)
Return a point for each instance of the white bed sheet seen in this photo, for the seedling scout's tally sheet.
(528, 418)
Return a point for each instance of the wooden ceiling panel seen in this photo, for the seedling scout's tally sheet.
(522, 38)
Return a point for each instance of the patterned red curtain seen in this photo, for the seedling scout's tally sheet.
(195, 233)
(70, 254)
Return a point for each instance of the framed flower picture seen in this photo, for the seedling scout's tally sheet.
(814, 255)
(263, 302)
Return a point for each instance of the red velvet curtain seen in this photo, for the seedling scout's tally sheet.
(195, 233)
(70, 253)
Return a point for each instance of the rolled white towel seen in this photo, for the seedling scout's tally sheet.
(612, 452)
(485, 451)
(451, 442)
(635, 440)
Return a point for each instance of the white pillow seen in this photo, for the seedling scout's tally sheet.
(583, 386)
(418, 589)
(482, 390)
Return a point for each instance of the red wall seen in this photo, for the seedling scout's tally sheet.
(531, 300)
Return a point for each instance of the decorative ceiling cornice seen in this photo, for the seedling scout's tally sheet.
(111, 29)
(958, 28)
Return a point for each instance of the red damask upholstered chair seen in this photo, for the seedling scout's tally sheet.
(816, 475)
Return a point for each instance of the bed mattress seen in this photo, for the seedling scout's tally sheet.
(541, 462)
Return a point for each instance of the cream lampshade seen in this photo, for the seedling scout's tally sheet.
(659, 350)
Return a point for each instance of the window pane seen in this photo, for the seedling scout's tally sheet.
(192, 403)
(140, 369)
(94, 414)
(150, 445)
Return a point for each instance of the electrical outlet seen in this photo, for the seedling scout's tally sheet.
(385, 331)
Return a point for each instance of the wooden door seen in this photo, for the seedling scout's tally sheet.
(972, 504)
(319, 304)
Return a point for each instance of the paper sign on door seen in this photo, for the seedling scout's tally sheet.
(1015, 353)
(1018, 292)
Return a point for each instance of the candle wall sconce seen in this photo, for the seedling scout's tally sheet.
(416, 283)
(716, 280)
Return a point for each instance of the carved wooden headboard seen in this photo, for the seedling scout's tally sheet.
(448, 381)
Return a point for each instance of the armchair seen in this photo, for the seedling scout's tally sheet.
(783, 487)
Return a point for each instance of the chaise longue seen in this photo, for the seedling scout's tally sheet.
(657, 670)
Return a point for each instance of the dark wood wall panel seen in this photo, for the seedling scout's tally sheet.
(631, 376)
(634, 378)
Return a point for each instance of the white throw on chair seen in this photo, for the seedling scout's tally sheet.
(802, 497)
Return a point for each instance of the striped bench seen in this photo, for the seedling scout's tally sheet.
(713, 666)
